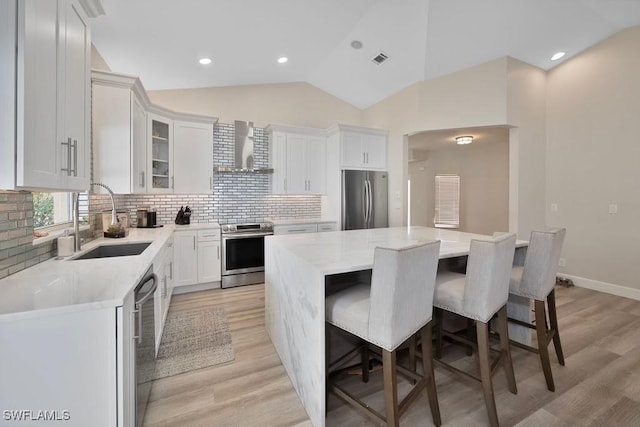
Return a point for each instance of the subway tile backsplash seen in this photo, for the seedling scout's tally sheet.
(236, 198)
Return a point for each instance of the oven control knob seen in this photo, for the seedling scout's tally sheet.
(268, 226)
(225, 228)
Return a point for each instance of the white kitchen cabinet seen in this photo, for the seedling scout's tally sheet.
(304, 227)
(46, 55)
(298, 159)
(193, 157)
(160, 150)
(119, 134)
(163, 268)
(209, 263)
(64, 361)
(362, 148)
(185, 257)
(197, 256)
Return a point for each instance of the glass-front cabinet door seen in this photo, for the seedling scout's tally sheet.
(160, 154)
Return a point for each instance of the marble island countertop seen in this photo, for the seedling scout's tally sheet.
(343, 251)
(63, 285)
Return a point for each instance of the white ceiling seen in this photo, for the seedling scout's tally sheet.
(161, 40)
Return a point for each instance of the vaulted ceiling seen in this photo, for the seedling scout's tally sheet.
(162, 40)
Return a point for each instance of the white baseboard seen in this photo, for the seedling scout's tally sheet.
(195, 288)
(609, 288)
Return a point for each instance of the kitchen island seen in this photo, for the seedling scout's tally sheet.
(297, 268)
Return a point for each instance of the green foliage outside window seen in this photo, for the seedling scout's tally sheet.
(42, 209)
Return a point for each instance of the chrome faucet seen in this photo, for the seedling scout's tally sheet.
(76, 214)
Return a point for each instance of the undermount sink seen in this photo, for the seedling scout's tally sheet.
(109, 251)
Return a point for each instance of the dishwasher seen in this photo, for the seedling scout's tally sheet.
(144, 338)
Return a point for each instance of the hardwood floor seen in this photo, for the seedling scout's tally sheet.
(599, 386)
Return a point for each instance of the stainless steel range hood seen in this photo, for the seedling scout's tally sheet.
(243, 151)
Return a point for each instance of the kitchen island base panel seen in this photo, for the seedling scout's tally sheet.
(297, 334)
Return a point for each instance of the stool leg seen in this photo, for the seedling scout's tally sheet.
(543, 343)
(412, 355)
(364, 358)
(470, 336)
(503, 329)
(553, 319)
(427, 365)
(438, 312)
(485, 371)
(390, 388)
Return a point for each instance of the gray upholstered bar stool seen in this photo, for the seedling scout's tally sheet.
(536, 280)
(388, 312)
(479, 295)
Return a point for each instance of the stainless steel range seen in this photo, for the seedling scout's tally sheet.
(243, 253)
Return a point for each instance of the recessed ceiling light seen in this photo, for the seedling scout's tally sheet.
(557, 56)
(462, 140)
(205, 61)
(282, 59)
(356, 44)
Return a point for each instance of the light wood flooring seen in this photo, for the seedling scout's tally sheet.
(599, 386)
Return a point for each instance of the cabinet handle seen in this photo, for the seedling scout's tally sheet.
(211, 183)
(218, 247)
(194, 243)
(75, 157)
(363, 160)
(68, 168)
(285, 185)
(296, 230)
(173, 182)
(142, 179)
(133, 325)
(164, 291)
(171, 270)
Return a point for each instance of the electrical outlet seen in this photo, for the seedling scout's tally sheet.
(554, 207)
(562, 262)
(613, 208)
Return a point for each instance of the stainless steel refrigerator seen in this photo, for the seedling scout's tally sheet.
(364, 199)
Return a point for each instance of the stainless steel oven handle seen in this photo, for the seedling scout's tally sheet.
(244, 235)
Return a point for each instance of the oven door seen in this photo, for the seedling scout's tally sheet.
(242, 253)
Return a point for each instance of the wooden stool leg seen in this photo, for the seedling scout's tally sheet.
(543, 343)
(503, 329)
(470, 336)
(438, 312)
(553, 319)
(427, 365)
(390, 388)
(485, 371)
(364, 358)
(412, 355)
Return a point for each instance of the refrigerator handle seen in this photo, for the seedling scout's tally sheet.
(344, 204)
(370, 210)
(365, 202)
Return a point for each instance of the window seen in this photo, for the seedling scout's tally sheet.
(51, 209)
(447, 212)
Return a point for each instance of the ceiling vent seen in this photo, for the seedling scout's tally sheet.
(380, 58)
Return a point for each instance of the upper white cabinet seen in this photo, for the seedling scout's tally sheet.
(141, 148)
(46, 53)
(362, 148)
(119, 133)
(298, 157)
(193, 157)
(160, 157)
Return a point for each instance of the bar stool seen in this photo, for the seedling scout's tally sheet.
(388, 312)
(535, 280)
(479, 295)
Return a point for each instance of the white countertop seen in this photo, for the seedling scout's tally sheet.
(343, 251)
(56, 286)
(294, 221)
